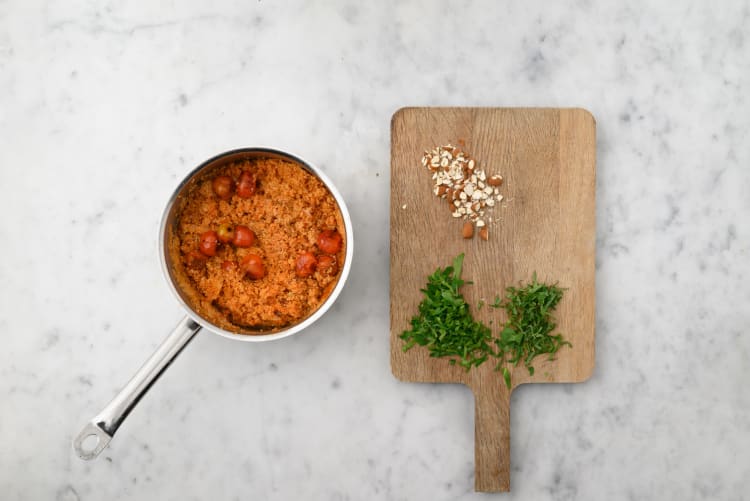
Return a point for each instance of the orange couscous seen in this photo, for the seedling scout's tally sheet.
(258, 245)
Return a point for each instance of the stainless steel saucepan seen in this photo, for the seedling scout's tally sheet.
(99, 431)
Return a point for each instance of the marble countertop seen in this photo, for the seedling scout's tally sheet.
(105, 106)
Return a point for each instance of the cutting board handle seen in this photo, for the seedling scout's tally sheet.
(492, 435)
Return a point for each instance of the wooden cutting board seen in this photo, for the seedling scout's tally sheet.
(546, 224)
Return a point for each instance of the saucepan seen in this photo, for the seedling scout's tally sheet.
(98, 432)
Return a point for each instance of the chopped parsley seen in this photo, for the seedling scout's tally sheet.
(527, 333)
(446, 327)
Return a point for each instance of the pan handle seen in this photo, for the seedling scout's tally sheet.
(99, 431)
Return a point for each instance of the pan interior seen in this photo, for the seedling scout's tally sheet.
(170, 254)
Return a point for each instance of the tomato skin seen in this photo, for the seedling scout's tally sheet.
(252, 265)
(195, 260)
(327, 265)
(329, 241)
(208, 243)
(243, 236)
(223, 187)
(225, 232)
(306, 264)
(247, 184)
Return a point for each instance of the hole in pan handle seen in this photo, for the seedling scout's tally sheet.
(99, 431)
(91, 441)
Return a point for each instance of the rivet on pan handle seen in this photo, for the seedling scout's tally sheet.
(105, 424)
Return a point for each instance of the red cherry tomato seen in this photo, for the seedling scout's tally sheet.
(246, 185)
(327, 265)
(243, 236)
(329, 241)
(225, 232)
(208, 243)
(223, 186)
(306, 264)
(253, 267)
(195, 260)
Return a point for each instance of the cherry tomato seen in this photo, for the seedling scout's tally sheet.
(327, 265)
(329, 241)
(195, 260)
(253, 267)
(306, 264)
(223, 186)
(243, 236)
(208, 243)
(228, 265)
(225, 233)
(246, 186)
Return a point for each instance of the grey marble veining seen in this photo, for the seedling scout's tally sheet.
(104, 107)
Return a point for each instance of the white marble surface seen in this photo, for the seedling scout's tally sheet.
(104, 106)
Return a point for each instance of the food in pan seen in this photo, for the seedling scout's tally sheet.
(258, 245)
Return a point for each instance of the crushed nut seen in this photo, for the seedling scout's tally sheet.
(459, 179)
(495, 180)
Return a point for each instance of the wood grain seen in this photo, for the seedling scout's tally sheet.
(545, 225)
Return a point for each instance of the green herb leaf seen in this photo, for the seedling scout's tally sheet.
(497, 303)
(506, 377)
(444, 324)
(526, 334)
(446, 327)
